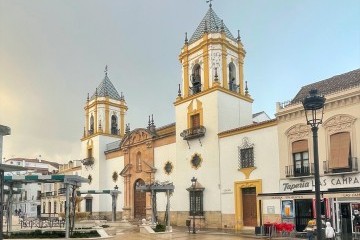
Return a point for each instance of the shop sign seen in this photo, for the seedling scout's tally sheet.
(326, 182)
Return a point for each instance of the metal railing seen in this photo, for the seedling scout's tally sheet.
(195, 89)
(191, 133)
(352, 167)
(292, 171)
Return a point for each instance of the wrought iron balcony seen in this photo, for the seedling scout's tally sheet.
(88, 161)
(195, 132)
(352, 166)
(61, 191)
(195, 89)
(234, 87)
(292, 171)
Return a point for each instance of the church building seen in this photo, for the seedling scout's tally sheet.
(219, 155)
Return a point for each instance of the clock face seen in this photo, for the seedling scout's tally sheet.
(196, 161)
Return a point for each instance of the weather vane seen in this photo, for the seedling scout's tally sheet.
(106, 70)
(209, 1)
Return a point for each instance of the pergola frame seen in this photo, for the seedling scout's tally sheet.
(154, 188)
(10, 181)
(114, 194)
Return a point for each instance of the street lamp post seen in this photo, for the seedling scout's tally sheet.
(193, 185)
(114, 200)
(314, 111)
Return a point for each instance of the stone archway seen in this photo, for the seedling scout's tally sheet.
(139, 201)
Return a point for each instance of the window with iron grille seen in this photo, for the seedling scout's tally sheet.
(246, 154)
(196, 203)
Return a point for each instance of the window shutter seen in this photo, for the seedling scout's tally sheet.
(300, 146)
(339, 150)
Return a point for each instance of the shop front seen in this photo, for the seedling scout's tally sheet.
(340, 202)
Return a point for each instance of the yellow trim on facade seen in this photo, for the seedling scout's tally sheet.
(241, 56)
(238, 186)
(107, 117)
(206, 61)
(224, 62)
(247, 171)
(248, 129)
(213, 89)
(117, 105)
(98, 134)
(192, 111)
(209, 41)
(86, 120)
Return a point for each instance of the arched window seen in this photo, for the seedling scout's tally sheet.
(91, 131)
(138, 162)
(44, 205)
(196, 79)
(114, 129)
(232, 77)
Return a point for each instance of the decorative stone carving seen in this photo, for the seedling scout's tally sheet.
(298, 132)
(339, 123)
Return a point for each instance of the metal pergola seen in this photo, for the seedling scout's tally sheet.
(154, 188)
(11, 181)
(114, 194)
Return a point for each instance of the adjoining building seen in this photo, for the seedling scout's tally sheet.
(28, 202)
(339, 147)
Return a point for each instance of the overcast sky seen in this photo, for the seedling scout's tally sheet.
(52, 53)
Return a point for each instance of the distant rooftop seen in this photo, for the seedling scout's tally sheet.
(33, 160)
(211, 23)
(330, 85)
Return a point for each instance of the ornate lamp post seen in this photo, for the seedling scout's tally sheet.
(114, 200)
(314, 111)
(193, 185)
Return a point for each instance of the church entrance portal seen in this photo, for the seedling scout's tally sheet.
(139, 201)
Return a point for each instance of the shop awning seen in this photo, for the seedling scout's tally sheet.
(333, 193)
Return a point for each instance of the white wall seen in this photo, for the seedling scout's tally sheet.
(266, 159)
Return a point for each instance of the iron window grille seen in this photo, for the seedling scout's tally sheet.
(246, 154)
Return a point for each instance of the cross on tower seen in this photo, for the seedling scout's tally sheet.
(209, 1)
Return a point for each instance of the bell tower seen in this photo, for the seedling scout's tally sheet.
(104, 124)
(212, 62)
(105, 111)
(212, 98)
(213, 57)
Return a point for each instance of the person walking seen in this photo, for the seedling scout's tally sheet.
(329, 231)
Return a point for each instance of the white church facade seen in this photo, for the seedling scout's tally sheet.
(234, 154)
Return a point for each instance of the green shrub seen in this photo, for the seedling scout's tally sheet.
(160, 228)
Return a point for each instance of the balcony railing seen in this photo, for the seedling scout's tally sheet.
(234, 87)
(88, 161)
(195, 132)
(353, 166)
(195, 89)
(292, 171)
(61, 191)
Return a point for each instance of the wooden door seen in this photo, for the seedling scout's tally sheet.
(139, 201)
(249, 206)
